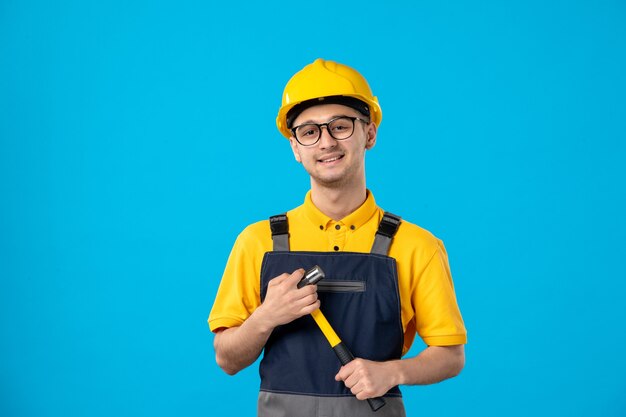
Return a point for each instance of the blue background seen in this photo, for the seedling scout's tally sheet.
(138, 138)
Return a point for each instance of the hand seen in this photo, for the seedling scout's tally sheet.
(367, 379)
(284, 302)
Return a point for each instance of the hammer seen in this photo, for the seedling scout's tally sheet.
(312, 276)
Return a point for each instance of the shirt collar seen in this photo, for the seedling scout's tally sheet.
(357, 218)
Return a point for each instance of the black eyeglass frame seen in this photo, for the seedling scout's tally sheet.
(319, 127)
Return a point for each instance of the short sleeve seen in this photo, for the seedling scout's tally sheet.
(438, 319)
(238, 294)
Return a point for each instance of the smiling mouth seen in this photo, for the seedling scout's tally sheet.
(331, 159)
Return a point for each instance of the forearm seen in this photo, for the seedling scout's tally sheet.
(369, 379)
(238, 347)
(434, 364)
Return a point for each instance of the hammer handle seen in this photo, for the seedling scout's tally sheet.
(345, 357)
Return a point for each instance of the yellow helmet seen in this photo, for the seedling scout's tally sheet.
(323, 79)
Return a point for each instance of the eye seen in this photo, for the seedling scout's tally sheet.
(307, 131)
(341, 125)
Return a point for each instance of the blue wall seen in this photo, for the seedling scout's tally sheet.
(137, 140)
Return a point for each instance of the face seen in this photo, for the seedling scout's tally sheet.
(330, 162)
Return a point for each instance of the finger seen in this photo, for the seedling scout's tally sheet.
(363, 395)
(366, 390)
(362, 389)
(309, 295)
(353, 382)
(295, 277)
(277, 280)
(344, 372)
(311, 308)
(356, 389)
(350, 384)
(305, 302)
(308, 289)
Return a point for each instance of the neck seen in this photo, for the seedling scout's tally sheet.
(338, 202)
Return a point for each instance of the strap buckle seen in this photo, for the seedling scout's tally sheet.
(387, 228)
(389, 225)
(279, 225)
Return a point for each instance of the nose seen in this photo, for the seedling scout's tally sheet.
(326, 141)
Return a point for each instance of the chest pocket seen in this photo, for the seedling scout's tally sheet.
(341, 286)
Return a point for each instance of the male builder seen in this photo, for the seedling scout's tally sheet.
(386, 279)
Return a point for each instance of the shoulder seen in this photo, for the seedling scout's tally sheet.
(256, 236)
(416, 234)
(411, 240)
(256, 230)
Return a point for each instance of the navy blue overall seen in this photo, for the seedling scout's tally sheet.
(359, 297)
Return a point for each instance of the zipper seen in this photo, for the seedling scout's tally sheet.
(341, 286)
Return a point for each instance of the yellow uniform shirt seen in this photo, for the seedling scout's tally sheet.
(427, 297)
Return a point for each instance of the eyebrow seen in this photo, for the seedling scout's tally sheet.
(313, 122)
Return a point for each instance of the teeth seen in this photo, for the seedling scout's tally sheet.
(331, 159)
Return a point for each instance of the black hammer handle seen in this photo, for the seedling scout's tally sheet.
(345, 357)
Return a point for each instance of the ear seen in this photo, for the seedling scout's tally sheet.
(294, 149)
(372, 130)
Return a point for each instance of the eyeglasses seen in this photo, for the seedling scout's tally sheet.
(339, 128)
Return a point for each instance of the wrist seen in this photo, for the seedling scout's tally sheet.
(261, 321)
(398, 372)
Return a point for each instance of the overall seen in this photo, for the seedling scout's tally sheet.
(360, 299)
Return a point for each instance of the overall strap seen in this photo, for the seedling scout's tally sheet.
(386, 230)
(280, 232)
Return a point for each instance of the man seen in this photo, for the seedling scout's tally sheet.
(386, 279)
